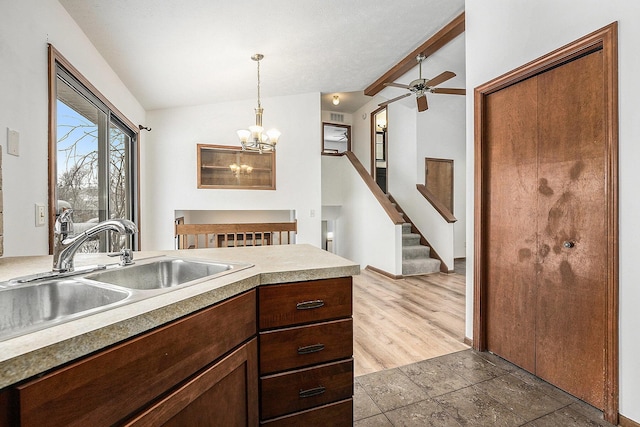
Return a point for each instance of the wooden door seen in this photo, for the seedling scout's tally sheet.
(511, 226)
(571, 286)
(545, 230)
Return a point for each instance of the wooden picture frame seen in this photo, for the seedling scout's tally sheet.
(229, 167)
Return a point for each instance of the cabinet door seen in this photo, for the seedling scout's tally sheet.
(225, 394)
(110, 385)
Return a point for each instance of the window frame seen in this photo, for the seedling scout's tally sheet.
(55, 59)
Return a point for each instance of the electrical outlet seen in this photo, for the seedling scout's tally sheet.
(41, 215)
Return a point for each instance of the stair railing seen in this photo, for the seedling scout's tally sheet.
(382, 198)
(436, 203)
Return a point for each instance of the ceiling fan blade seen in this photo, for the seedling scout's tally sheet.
(449, 91)
(440, 78)
(382, 104)
(403, 86)
(422, 102)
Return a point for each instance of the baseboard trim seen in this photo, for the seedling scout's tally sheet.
(468, 341)
(384, 273)
(626, 422)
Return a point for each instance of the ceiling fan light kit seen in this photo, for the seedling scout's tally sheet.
(255, 138)
(420, 87)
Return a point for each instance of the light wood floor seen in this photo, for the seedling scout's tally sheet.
(399, 322)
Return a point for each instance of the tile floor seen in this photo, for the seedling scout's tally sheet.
(465, 388)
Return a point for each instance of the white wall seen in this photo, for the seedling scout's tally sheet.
(404, 168)
(364, 233)
(171, 171)
(442, 134)
(26, 26)
(502, 35)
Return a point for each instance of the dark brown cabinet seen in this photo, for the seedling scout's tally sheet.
(153, 373)
(207, 368)
(225, 394)
(305, 351)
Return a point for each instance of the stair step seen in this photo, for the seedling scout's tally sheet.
(406, 228)
(420, 266)
(416, 252)
(410, 239)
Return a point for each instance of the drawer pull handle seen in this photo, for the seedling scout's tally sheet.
(312, 392)
(307, 349)
(309, 305)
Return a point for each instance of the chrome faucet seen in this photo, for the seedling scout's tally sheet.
(65, 247)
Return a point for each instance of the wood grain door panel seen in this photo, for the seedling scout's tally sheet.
(571, 298)
(545, 173)
(511, 238)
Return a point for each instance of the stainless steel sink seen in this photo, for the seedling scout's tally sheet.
(26, 308)
(164, 273)
(38, 301)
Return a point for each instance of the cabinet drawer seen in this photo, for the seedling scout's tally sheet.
(306, 388)
(304, 302)
(301, 346)
(339, 414)
(104, 388)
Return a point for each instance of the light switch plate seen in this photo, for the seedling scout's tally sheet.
(41, 215)
(13, 142)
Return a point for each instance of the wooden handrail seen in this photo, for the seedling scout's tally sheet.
(437, 204)
(382, 198)
(225, 233)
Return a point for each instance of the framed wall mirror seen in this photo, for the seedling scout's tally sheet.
(336, 138)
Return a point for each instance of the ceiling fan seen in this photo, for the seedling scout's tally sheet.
(421, 86)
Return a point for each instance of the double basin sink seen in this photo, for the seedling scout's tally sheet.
(36, 303)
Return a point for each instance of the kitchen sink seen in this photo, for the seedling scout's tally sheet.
(26, 308)
(35, 302)
(164, 273)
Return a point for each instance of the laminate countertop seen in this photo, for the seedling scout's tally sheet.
(36, 352)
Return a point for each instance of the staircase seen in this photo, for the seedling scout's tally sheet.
(416, 258)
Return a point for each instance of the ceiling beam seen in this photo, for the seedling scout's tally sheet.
(435, 42)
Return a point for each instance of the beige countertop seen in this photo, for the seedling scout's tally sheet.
(31, 354)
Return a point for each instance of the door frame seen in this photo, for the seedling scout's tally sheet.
(372, 118)
(605, 39)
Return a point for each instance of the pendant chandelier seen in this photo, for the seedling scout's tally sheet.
(255, 139)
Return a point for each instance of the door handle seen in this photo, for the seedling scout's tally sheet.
(568, 244)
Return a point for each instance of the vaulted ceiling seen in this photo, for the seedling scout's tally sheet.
(192, 52)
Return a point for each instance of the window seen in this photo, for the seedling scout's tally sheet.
(93, 158)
